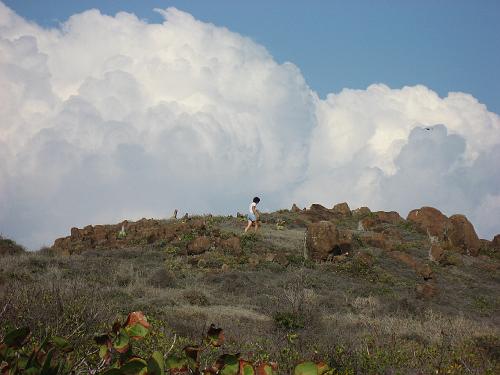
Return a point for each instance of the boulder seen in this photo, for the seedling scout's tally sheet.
(495, 243)
(374, 219)
(232, 244)
(378, 240)
(345, 240)
(295, 208)
(318, 213)
(431, 221)
(436, 252)
(391, 217)
(342, 209)
(322, 240)
(367, 223)
(361, 211)
(462, 236)
(199, 245)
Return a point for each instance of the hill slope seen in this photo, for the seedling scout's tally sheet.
(376, 303)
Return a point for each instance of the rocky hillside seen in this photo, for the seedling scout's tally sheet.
(426, 237)
(369, 292)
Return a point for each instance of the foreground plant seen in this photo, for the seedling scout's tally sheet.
(51, 357)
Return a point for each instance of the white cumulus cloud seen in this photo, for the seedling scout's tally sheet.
(106, 118)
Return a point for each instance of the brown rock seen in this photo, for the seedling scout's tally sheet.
(425, 271)
(295, 208)
(361, 211)
(436, 252)
(426, 290)
(345, 239)
(224, 268)
(431, 221)
(100, 234)
(233, 244)
(322, 240)
(495, 243)
(75, 233)
(462, 236)
(374, 219)
(391, 217)
(367, 223)
(342, 209)
(199, 245)
(378, 240)
(392, 233)
(318, 213)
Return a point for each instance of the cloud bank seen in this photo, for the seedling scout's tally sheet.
(107, 118)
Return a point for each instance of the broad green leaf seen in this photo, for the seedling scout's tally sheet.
(229, 364)
(264, 369)
(103, 351)
(62, 344)
(306, 368)
(246, 368)
(17, 337)
(156, 364)
(134, 366)
(176, 364)
(137, 331)
(121, 342)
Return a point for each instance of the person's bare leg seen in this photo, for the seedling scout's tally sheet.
(248, 226)
(256, 225)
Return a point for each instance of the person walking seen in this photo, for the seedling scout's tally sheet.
(253, 216)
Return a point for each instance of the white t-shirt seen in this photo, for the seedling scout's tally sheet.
(253, 204)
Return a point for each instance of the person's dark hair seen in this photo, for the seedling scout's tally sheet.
(256, 200)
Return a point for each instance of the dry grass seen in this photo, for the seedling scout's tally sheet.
(363, 319)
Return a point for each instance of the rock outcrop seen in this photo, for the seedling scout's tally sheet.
(374, 219)
(462, 236)
(455, 233)
(431, 221)
(342, 209)
(323, 241)
(144, 231)
(495, 243)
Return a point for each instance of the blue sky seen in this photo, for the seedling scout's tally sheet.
(445, 45)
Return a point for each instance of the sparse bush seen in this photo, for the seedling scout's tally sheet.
(162, 278)
(196, 297)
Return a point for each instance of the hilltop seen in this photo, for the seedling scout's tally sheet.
(370, 292)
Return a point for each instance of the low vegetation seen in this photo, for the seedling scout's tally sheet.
(357, 314)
